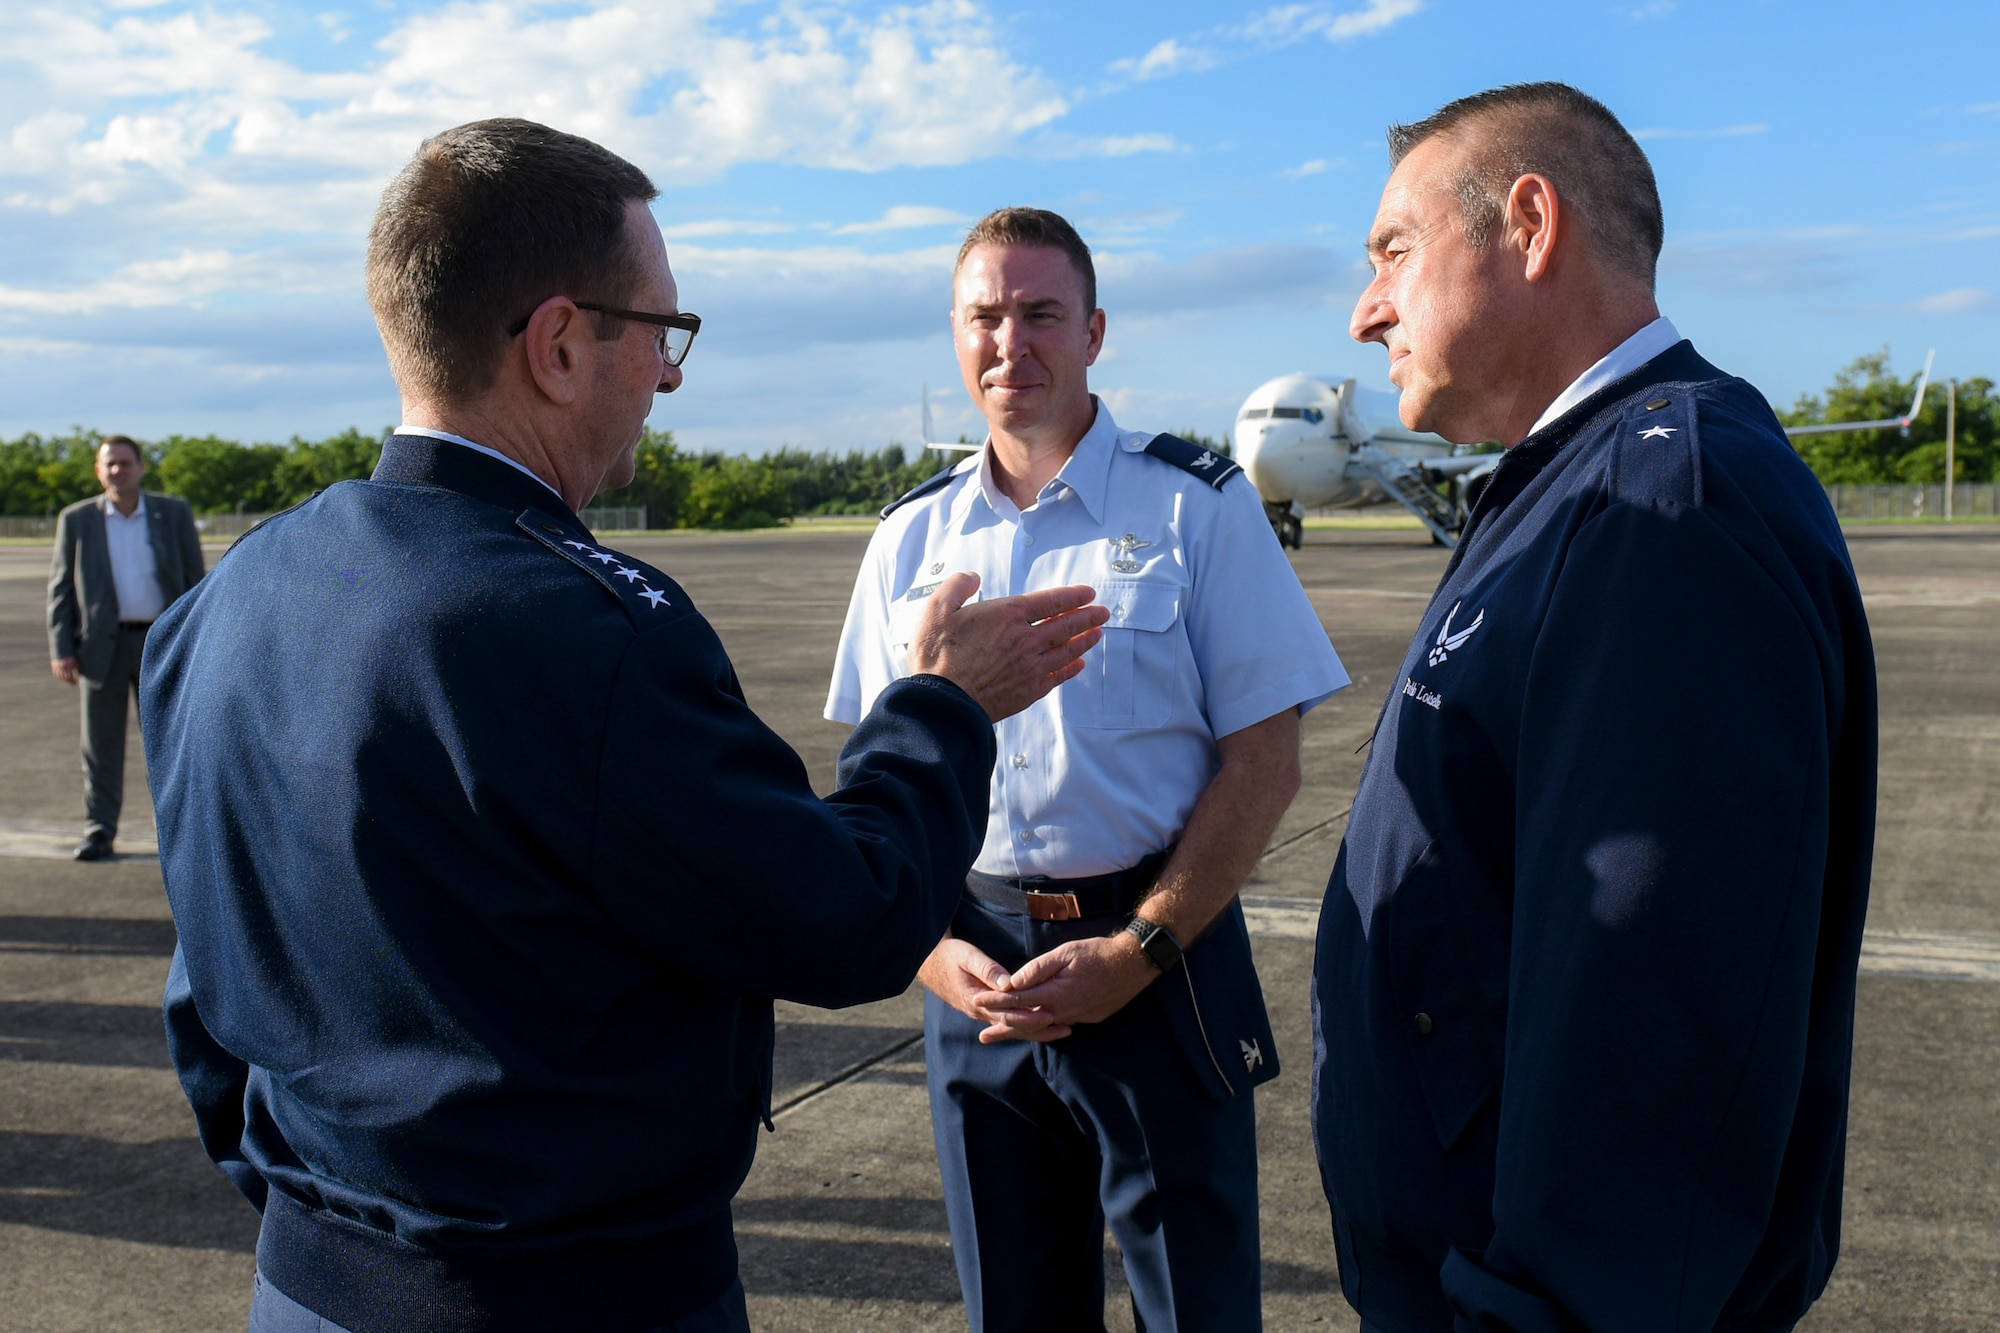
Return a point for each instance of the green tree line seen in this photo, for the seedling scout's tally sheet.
(39, 475)
(679, 490)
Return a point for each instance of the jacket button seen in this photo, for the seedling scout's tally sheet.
(552, 529)
(1424, 1025)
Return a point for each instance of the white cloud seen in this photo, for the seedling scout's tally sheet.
(1319, 166)
(1298, 276)
(1289, 23)
(1958, 301)
(1729, 132)
(214, 166)
(1755, 267)
(1168, 57)
(688, 231)
(765, 302)
(905, 217)
(1126, 145)
(1657, 9)
(190, 115)
(1280, 26)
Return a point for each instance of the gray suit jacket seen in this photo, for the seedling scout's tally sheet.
(83, 600)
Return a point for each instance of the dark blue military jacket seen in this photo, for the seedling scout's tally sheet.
(485, 874)
(1584, 997)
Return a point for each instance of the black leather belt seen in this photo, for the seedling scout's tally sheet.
(1110, 894)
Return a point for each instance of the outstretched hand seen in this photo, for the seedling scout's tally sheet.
(1009, 652)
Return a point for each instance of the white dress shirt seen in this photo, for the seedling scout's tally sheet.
(1621, 361)
(135, 568)
(1210, 632)
(428, 433)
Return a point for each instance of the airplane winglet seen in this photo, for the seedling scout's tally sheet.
(1923, 382)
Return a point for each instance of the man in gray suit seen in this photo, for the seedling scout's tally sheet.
(121, 559)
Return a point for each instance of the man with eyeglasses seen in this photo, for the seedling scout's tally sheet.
(485, 874)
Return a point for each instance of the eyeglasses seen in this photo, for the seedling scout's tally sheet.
(674, 334)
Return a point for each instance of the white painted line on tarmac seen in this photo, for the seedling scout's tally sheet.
(1281, 918)
(55, 842)
(1944, 955)
(1925, 953)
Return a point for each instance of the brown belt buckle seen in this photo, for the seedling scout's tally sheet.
(1052, 906)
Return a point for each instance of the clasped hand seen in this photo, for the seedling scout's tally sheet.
(1083, 981)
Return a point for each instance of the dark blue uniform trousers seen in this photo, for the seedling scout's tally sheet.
(1042, 1142)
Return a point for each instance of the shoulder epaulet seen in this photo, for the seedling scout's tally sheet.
(1658, 449)
(630, 582)
(1211, 467)
(936, 481)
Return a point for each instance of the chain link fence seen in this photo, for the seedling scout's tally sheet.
(1850, 503)
(1968, 500)
(228, 527)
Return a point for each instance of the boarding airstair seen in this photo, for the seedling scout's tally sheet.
(1403, 481)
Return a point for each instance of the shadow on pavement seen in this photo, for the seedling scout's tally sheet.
(128, 1035)
(71, 934)
(884, 1214)
(164, 1193)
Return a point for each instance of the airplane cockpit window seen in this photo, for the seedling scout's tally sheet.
(1314, 415)
(1252, 412)
(1292, 413)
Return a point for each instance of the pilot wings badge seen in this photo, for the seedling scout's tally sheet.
(1124, 546)
(1448, 642)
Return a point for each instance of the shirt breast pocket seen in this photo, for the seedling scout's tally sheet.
(904, 618)
(1136, 673)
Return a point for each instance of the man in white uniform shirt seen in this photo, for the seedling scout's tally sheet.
(1081, 1067)
(121, 558)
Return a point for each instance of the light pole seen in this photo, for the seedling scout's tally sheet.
(1950, 440)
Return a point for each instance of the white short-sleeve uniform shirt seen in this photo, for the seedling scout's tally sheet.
(1210, 632)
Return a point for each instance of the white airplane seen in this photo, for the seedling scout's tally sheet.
(1304, 443)
(1308, 442)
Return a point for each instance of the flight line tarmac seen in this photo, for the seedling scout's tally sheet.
(112, 1219)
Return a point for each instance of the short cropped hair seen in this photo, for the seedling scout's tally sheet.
(487, 221)
(1552, 130)
(1033, 227)
(109, 441)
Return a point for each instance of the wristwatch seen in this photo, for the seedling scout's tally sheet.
(1162, 950)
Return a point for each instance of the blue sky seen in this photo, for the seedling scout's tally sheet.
(185, 189)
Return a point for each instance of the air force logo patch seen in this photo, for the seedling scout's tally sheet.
(1448, 642)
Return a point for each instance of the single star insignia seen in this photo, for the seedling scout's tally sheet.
(1124, 546)
(1657, 433)
(604, 556)
(654, 597)
(581, 546)
(628, 574)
